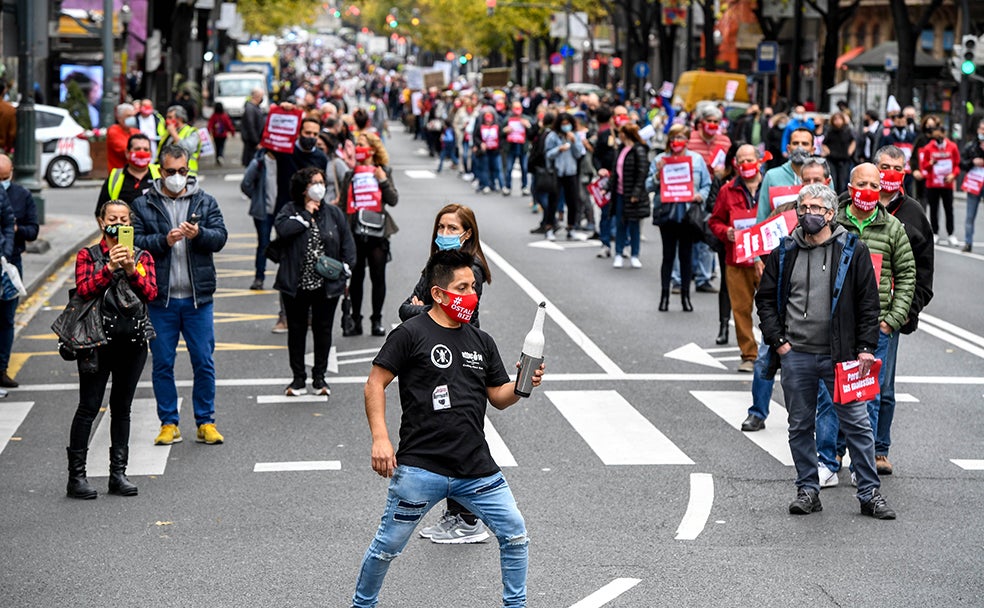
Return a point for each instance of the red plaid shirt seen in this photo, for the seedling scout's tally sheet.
(89, 283)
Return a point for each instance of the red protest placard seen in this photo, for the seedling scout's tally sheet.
(281, 129)
(973, 181)
(517, 131)
(718, 156)
(364, 193)
(676, 183)
(779, 195)
(907, 151)
(598, 189)
(942, 165)
(850, 386)
(763, 237)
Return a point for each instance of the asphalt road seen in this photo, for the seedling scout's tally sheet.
(637, 487)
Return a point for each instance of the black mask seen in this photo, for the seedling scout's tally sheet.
(112, 230)
(306, 143)
(812, 223)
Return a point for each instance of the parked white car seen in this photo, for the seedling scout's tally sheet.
(64, 149)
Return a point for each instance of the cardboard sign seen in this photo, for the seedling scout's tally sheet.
(598, 189)
(208, 148)
(717, 157)
(763, 237)
(281, 129)
(676, 183)
(973, 181)
(743, 219)
(850, 386)
(942, 165)
(365, 192)
(907, 151)
(779, 195)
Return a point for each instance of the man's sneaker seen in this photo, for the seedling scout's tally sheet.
(635, 262)
(807, 501)
(506, 192)
(550, 236)
(526, 191)
(854, 479)
(706, 288)
(952, 241)
(169, 434)
(877, 507)
(882, 465)
(280, 327)
(618, 262)
(752, 423)
(207, 433)
(320, 386)
(747, 366)
(828, 478)
(446, 522)
(941, 240)
(486, 190)
(295, 388)
(457, 531)
(967, 248)
(538, 230)
(606, 252)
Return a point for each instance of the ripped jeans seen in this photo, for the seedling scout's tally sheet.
(412, 493)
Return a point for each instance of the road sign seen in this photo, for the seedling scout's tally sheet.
(641, 69)
(891, 62)
(556, 58)
(767, 57)
(567, 51)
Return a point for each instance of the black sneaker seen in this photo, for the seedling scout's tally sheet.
(320, 386)
(295, 388)
(807, 501)
(876, 507)
(539, 230)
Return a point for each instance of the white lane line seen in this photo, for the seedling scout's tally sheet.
(615, 430)
(607, 593)
(698, 507)
(233, 177)
(363, 351)
(266, 399)
(145, 457)
(573, 332)
(11, 416)
(905, 398)
(309, 465)
(732, 407)
(420, 174)
(953, 251)
(332, 360)
(500, 452)
(946, 336)
(953, 329)
(723, 349)
(969, 465)
(359, 360)
(691, 353)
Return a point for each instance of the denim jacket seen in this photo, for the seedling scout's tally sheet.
(565, 162)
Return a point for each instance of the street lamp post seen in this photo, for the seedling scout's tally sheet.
(126, 16)
(106, 113)
(25, 146)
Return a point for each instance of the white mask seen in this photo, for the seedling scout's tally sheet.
(176, 183)
(316, 192)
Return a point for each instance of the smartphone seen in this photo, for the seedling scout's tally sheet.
(193, 218)
(125, 237)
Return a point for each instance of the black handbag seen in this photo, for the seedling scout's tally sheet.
(370, 223)
(546, 180)
(662, 212)
(274, 251)
(79, 326)
(696, 219)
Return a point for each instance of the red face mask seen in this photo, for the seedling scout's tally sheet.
(517, 111)
(711, 128)
(677, 146)
(145, 111)
(460, 307)
(362, 153)
(891, 180)
(621, 119)
(865, 200)
(140, 158)
(747, 170)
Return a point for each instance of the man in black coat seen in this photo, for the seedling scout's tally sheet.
(251, 128)
(24, 223)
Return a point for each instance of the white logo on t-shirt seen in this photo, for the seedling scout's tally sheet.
(441, 356)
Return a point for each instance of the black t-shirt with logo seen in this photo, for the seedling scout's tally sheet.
(444, 374)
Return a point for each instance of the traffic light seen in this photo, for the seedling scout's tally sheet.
(968, 49)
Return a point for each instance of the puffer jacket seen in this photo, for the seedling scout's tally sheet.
(293, 225)
(886, 236)
(152, 222)
(634, 171)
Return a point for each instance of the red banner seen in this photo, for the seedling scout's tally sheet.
(676, 184)
(763, 237)
(364, 192)
(779, 195)
(598, 189)
(281, 129)
(850, 386)
(517, 131)
(973, 181)
(942, 165)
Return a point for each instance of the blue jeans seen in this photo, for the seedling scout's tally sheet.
(466, 157)
(761, 386)
(181, 317)
(412, 493)
(830, 441)
(625, 228)
(800, 374)
(263, 228)
(448, 151)
(493, 169)
(606, 225)
(515, 151)
(973, 200)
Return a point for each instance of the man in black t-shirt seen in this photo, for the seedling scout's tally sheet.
(448, 372)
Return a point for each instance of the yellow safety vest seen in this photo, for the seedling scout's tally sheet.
(183, 134)
(115, 182)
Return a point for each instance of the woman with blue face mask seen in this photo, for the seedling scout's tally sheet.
(563, 149)
(455, 227)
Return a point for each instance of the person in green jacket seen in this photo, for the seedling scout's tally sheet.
(895, 270)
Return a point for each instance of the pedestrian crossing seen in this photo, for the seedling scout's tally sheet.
(12, 414)
(145, 457)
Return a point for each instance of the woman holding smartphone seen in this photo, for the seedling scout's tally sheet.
(124, 279)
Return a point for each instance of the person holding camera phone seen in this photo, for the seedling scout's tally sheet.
(309, 231)
(366, 191)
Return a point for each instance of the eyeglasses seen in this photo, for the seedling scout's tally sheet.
(170, 172)
(813, 209)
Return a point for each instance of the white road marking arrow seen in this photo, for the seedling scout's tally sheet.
(607, 593)
(691, 353)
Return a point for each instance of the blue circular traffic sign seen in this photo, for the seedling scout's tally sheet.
(567, 51)
(641, 69)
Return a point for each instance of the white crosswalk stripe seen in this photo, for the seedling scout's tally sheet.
(145, 457)
(732, 407)
(500, 452)
(12, 414)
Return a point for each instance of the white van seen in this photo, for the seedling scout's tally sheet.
(233, 89)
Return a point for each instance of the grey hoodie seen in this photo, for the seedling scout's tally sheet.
(179, 278)
(810, 282)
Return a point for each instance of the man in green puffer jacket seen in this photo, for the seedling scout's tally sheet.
(895, 270)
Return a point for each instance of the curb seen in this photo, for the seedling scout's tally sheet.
(35, 284)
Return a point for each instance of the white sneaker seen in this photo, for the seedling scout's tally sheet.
(606, 252)
(828, 478)
(952, 241)
(618, 262)
(551, 236)
(634, 262)
(506, 192)
(854, 479)
(486, 190)
(941, 240)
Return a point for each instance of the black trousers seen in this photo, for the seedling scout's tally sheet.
(724, 298)
(125, 361)
(572, 201)
(933, 197)
(322, 315)
(677, 239)
(374, 253)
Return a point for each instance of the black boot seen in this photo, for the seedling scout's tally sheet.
(377, 326)
(78, 485)
(685, 300)
(118, 483)
(664, 302)
(722, 333)
(355, 329)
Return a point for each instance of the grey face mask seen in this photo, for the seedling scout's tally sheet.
(798, 156)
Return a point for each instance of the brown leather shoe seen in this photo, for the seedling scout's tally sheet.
(882, 465)
(7, 382)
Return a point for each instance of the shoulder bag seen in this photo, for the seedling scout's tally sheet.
(370, 223)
